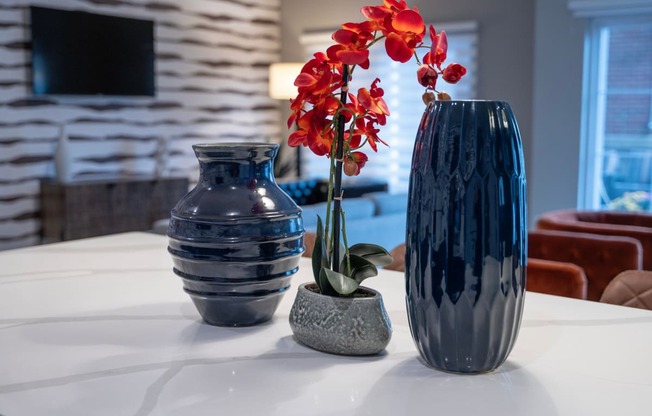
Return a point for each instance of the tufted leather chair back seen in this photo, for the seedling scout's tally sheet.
(630, 288)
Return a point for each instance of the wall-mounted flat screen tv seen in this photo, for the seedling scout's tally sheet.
(81, 53)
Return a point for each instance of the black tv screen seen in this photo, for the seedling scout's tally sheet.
(81, 53)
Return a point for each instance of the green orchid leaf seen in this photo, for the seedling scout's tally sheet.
(342, 284)
(325, 286)
(319, 255)
(362, 268)
(316, 260)
(373, 253)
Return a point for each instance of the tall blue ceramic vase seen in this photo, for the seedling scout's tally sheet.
(236, 238)
(466, 242)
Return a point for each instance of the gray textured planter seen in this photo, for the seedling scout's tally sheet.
(345, 326)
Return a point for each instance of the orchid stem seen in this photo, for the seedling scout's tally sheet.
(337, 191)
(329, 202)
(346, 245)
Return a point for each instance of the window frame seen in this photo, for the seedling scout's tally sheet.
(594, 97)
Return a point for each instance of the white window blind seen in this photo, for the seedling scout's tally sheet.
(403, 96)
(611, 8)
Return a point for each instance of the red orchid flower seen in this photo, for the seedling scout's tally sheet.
(408, 31)
(438, 48)
(395, 5)
(381, 16)
(320, 83)
(314, 131)
(329, 125)
(453, 73)
(367, 127)
(318, 77)
(353, 140)
(351, 48)
(371, 101)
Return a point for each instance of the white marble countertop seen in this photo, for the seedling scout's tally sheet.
(102, 327)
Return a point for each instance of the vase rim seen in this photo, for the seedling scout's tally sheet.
(471, 101)
(235, 151)
(233, 145)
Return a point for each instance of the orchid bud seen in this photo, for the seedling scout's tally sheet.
(443, 96)
(350, 167)
(428, 97)
(427, 76)
(453, 72)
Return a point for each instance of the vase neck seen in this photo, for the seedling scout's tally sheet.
(232, 163)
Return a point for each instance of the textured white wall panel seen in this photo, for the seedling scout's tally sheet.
(211, 67)
(21, 230)
(18, 207)
(19, 189)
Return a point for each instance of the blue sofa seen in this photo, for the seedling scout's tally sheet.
(377, 218)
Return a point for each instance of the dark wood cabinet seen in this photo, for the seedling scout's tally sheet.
(91, 208)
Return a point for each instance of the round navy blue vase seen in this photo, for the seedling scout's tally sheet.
(466, 239)
(236, 238)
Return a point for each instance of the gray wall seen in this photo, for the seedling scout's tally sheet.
(554, 166)
(530, 54)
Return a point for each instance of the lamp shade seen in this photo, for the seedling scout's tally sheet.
(281, 79)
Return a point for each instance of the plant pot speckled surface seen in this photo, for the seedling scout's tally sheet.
(340, 325)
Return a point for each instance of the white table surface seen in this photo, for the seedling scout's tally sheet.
(102, 327)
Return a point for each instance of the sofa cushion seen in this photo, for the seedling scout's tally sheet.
(387, 231)
(354, 208)
(387, 203)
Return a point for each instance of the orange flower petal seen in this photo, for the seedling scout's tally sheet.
(344, 37)
(304, 80)
(409, 21)
(397, 49)
(296, 138)
(374, 12)
(353, 57)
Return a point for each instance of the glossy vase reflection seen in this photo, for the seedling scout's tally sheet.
(236, 238)
(466, 243)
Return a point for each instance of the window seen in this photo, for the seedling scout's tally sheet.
(403, 96)
(617, 113)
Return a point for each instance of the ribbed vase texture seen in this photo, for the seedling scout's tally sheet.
(236, 238)
(466, 242)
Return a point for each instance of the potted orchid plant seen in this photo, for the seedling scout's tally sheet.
(335, 122)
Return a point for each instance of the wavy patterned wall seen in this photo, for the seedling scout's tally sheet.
(211, 78)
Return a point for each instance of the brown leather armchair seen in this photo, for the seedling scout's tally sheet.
(600, 257)
(309, 239)
(398, 259)
(637, 225)
(556, 278)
